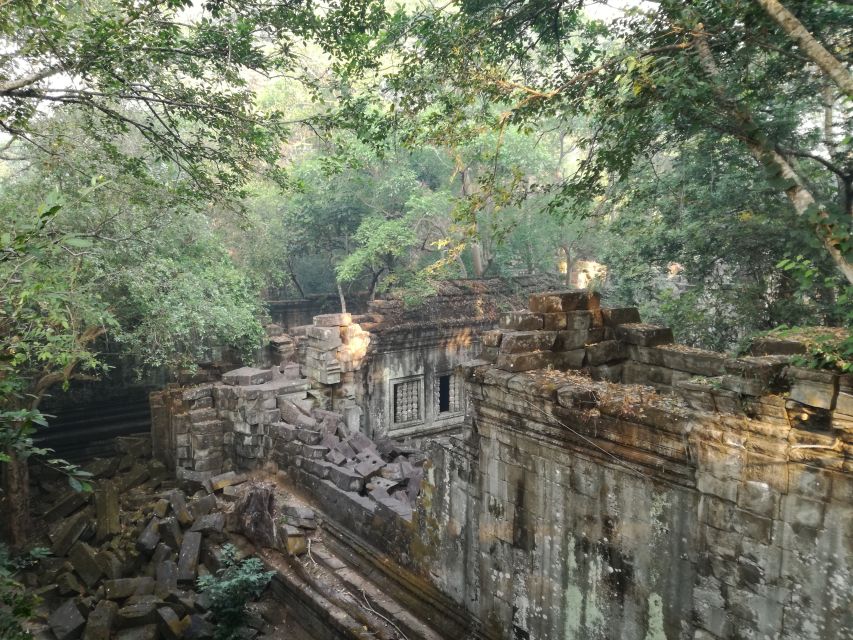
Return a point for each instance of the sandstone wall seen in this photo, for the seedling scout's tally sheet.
(715, 501)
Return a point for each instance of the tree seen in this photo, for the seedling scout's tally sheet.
(650, 80)
(149, 274)
(175, 72)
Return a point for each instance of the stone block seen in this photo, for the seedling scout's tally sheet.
(179, 508)
(358, 442)
(606, 372)
(67, 504)
(570, 340)
(309, 436)
(644, 335)
(203, 505)
(491, 338)
(314, 451)
(554, 321)
(68, 531)
(325, 338)
(247, 376)
(346, 479)
(556, 301)
(170, 533)
(230, 478)
(67, 622)
(170, 625)
(101, 621)
(316, 467)
(527, 341)
(188, 557)
(122, 588)
(620, 315)
(520, 321)
(332, 320)
(84, 560)
(814, 388)
(524, 361)
(565, 360)
(107, 511)
(605, 352)
(136, 615)
(210, 523)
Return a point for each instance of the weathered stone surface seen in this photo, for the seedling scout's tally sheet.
(333, 320)
(620, 315)
(255, 513)
(556, 301)
(202, 506)
(645, 335)
(67, 622)
(247, 376)
(84, 560)
(526, 341)
(604, 352)
(210, 523)
(814, 388)
(179, 508)
(125, 587)
(146, 632)
(521, 321)
(188, 556)
(70, 502)
(571, 340)
(66, 533)
(524, 361)
(491, 338)
(553, 321)
(167, 578)
(230, 478)
(171, 627)
(170, 533)
(101, 621)
(346, 479)
(150, 536)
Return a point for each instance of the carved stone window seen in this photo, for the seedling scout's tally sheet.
(407, 401)
(447, 394)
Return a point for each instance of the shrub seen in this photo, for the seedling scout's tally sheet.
(233, 586)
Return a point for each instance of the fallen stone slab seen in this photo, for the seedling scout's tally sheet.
(346, 479)
(315, 467)
(228, 479)
(335, 457)
(188, 557)
(150, 537)
(147, 632)
(67, 621)
(107, 511)
(110, 564)
(134, 477)
(644, 335)
(67, 504)
(210, 523)
(202, 506)
(166, 578)
(314, 451)
(170, 533)
(122, 588)
(84, 560)
(102, 467)
(199, 628)
(247, 376)
(369, 468)
(68, 531)
(68, 585)
(171, 626)
(101, 621)
(300, 516)
(179, 507)
(136, 615)
(160, 508)
(360, 442)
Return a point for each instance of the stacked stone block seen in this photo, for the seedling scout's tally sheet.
(335, 346)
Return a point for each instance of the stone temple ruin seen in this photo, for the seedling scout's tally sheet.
(561, 471)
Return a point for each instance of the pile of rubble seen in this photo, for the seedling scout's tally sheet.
(319, 443)
(125, 557)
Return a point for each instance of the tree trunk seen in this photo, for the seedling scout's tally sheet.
(808, 45)
(799, 196)
(16, 501)
(477, 258)
(295, 280)
(341, 296)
